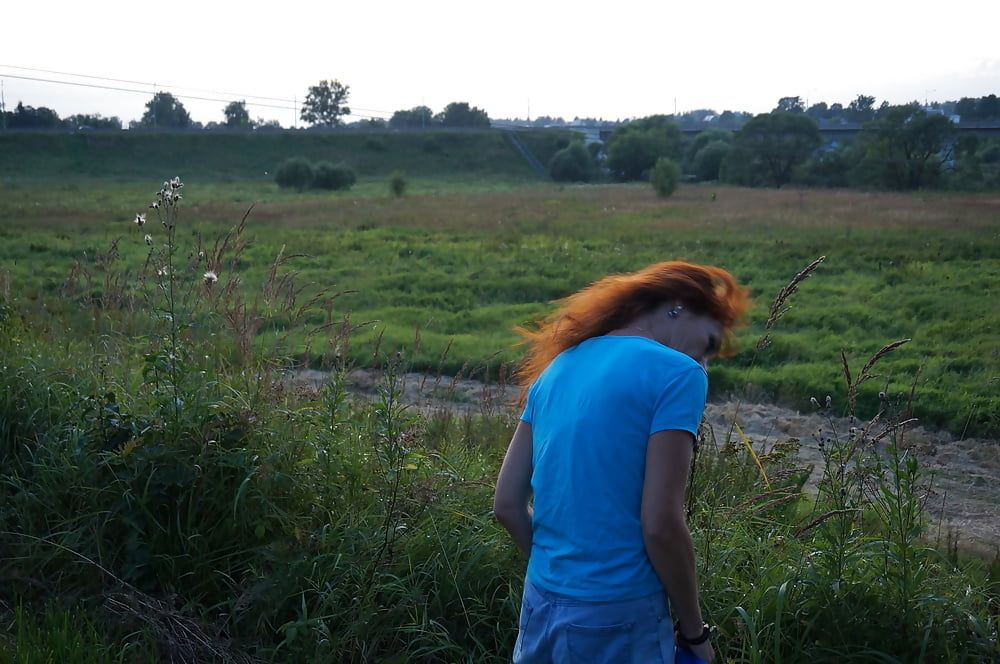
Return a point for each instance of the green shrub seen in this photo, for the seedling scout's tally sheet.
(296, 172)
(333, 176)
(571, 164)
(708, 160)
(665, 176)
(397, 184)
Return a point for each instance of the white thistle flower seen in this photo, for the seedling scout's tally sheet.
(176, 183)
(814, 402)
(210, 277)
(162, 272)
(140, 219)
(201, 255)
(148, 238)
(154, 205)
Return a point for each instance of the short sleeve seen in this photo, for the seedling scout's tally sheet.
(528, 414)
(681, 403)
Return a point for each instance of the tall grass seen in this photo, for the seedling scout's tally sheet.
(165, 484)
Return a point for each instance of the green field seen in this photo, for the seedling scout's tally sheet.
(462, 259)
(165, 495)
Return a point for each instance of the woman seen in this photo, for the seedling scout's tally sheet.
(614, 390)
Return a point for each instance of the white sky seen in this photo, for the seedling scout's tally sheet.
(620, 59)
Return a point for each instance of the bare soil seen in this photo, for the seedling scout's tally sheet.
(965, 472)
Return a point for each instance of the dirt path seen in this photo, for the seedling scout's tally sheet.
(966, 472)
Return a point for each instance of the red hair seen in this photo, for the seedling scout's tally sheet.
(616, 300)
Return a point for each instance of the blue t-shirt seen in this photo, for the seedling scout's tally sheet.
(592, 412)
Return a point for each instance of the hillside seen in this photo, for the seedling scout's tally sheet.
(240, 155)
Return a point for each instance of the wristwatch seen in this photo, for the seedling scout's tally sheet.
(706, 634)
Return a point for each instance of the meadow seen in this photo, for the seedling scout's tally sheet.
(168, 495)
(461, 261)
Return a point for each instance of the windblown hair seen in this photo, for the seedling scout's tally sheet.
(616, 300)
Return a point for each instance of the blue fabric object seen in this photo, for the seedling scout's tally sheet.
(554, 629)
(591, 413)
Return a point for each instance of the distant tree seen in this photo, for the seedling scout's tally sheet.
(732, 120)
(707, 162)
(29, 117)
(325, 104)
(967, 108)
(988, 107)
(790, 105)
(237, 116)
(773, 145)
(296, 172)
(418, 117)
(572, 164)
(862, 109)
(906, 147)
(165, 111)
(92, 121)
(634, 148)
(327, 175)
(665, 176)
(702, 139)
(548, 121)
(460, 114)
(260, 124)
(818, 111)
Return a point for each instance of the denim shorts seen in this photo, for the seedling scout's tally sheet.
(554, 629)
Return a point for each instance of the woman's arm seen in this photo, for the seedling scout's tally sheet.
(510, 504)
(664, 530)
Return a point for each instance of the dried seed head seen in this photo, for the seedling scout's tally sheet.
(140, 219)
(210, 278)
(814, 402)
(882, 396)
(829, 401)
(148, 238)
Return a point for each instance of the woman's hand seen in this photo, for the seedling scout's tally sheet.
(703, 651)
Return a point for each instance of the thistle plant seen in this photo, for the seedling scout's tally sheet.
(163, 259)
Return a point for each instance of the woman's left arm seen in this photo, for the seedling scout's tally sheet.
(510, 504)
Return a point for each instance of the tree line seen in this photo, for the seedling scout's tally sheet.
(325, 106)
(900, 147)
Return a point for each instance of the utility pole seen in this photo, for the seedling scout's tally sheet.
(529, 110)
(154, 105)
(3, 106)
(295, 112)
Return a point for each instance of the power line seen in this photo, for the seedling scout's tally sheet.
(292, 101)
(146, 83)
(182, 96)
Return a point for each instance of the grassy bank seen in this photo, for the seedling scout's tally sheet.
(239, 155)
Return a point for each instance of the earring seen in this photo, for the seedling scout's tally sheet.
(675, 312)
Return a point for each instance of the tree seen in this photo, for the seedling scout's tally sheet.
(708, 160)
(634, 148)
(862, 109)
(790, 105)
(164, 110)
(988, 107)
(417, 117)
(818, 111)
(571, 164)
(29, 117)
(906, 147)
(325, 104)
(775, 143)
(237, 116)
(460, 114)
(665, 176)
(92, 121)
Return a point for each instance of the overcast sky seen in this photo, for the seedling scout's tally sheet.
(612, 60)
